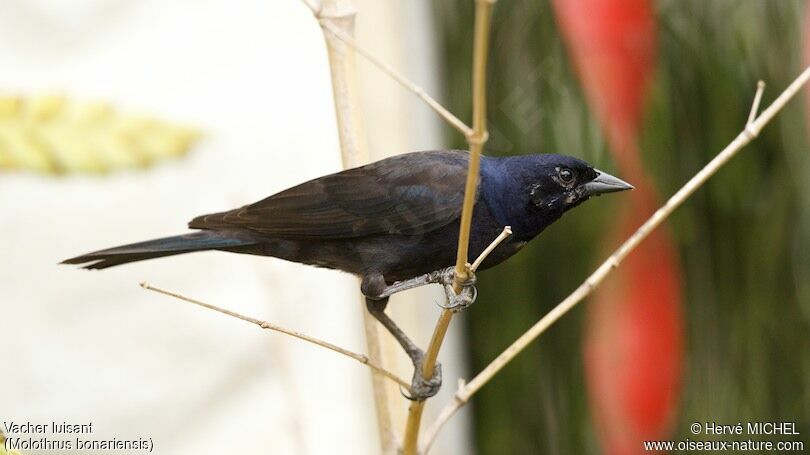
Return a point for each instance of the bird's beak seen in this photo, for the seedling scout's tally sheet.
(605, 183)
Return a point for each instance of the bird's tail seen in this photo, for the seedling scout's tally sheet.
(167, 246)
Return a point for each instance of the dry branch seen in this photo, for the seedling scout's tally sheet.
(507, 231)
(475, 136)
(340, 15)
(402, 80)
(431, 102)
(749, 133)
(476, 140)
(277, 328)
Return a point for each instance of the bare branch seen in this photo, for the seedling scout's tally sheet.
(443, 112)
(314, 6)
(270, 326)
(476, 140)
(507, 231)
(751, 131)
(755, 106)
(448, 116)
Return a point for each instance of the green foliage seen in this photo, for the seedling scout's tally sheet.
(744, 239)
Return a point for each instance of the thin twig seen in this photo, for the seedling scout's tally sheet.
(476, 140)
(755, 105)
(448, 116)
(749, 133)
(507, 231)
(314, 6)
(420, 93)
(270, 326)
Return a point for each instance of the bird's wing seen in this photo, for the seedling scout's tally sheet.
(407, 194)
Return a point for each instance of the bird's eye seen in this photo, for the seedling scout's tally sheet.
(566, 176)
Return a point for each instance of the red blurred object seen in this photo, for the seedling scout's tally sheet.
(612, 44)
(634, 340)
(634, 336)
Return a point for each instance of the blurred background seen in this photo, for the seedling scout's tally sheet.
(120, 121)
(709, 320)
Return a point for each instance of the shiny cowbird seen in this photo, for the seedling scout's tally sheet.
(394, 223)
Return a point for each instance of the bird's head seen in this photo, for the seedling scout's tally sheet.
(543, 187)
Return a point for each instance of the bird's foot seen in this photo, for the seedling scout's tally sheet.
(421, 388)
(461, 301)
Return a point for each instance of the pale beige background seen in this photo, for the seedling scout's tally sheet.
(92, 346)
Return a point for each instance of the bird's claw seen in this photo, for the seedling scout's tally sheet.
(448, 277)
(421, 388)
(461, 301)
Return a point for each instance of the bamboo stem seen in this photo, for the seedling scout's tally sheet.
(483, 12)
(339, 15)
(751, 130)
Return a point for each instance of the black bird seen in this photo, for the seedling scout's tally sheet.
(394, 223)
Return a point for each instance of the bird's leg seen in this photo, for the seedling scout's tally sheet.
(445, 277)
(377, 309)
(421, 388)
(421, 280)
(377, 292)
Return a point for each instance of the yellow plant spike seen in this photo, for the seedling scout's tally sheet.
(3, 450)
(54, 135)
